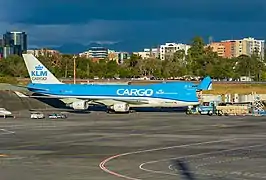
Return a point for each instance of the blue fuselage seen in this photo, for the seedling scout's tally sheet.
(173, 91)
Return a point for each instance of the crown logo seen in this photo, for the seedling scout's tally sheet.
(38, 68)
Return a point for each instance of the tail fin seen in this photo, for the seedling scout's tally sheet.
(205, 84)
(39, 74)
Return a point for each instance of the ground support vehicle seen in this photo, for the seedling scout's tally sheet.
(57, 116)
(37, 115)
(207, 108)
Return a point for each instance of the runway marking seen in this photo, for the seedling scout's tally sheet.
(102, 165)
(221, 161)
(6, 132)
(208, 153)
(189, 156)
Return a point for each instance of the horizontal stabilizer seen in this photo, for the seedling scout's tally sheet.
(19, 94)
(40, 89)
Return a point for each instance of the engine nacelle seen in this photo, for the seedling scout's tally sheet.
(80, 105)
(120, 107)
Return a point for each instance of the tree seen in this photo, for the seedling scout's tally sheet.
(13, 66)
(195, 57)
(199, 61)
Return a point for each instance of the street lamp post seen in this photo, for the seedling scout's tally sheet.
(74, 58)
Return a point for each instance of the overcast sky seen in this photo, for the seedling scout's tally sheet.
(147, 22)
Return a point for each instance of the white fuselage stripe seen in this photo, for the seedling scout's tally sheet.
(148, 101)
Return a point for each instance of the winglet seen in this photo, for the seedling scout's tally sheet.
(205, 84)
(39, 74)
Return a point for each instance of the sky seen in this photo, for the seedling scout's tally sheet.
(131, 24)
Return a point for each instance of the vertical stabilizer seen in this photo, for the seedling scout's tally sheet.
(39, 74)
(205, 84)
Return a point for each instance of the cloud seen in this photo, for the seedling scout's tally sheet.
(83, 11)
(140, 23)
(104, 31)
(104, 42)
(136, 35)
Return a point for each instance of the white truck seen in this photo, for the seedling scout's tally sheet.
(37, 115)
(57, 116)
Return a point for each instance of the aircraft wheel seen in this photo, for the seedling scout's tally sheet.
(110, 111)
(188, 112)
(220, 113)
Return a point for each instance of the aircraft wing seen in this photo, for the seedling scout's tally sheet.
(106, 102)
(109, 102)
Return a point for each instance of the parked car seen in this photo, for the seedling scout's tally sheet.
(37, 115)
(57, 116)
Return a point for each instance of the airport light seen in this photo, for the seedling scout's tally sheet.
(74, 58)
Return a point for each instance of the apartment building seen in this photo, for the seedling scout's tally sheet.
(112, 55)
(223, 49)
(96, 53)
(167, 50)
(149, 53)
(245, 46)
(43, 52)
(218, 47)
(122, 56)
(252, 45)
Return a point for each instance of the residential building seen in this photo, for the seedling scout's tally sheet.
(98, 52)
(122, 56)
(168, 49)
(252, 46)
(145, 54)
(229, 49)
(246, 46)
(149, 53)
(16, 41)
(223, 49)
(95, 53)
(218, 47)
(112, 55)
(85, 54)
(43, 52)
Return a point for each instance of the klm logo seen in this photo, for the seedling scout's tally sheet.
(38, 73)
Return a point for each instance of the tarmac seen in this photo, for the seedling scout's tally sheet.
(138, 146)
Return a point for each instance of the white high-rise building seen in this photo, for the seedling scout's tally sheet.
(253, 45)
(169, 49)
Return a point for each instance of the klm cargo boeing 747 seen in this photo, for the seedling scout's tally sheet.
(118, 98)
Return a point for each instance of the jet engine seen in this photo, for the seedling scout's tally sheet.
(119, 107)
(80, 105)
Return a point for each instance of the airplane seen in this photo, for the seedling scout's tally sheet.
(4, 112)
(117, 98)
